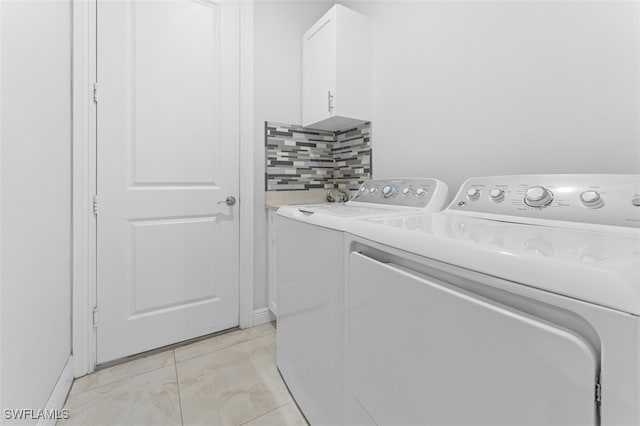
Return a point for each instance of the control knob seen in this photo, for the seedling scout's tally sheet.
(473, 193)
(421, 192)
(373, 190)
(591, 199)
(538, 196)
(364, 190)
(496, 194)
(406, 192)
(389, 191)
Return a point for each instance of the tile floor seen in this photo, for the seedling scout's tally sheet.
(229, 379)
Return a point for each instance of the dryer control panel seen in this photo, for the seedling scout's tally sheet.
(403, 192)
(537, 199)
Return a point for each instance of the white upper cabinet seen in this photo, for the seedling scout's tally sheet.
(336, 71)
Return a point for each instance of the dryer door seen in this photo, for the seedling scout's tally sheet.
(423, 352)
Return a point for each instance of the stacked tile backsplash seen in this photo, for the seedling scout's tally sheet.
(298, 158)
(352, 157)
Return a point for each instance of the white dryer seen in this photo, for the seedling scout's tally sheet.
(517, 305)
(310, 287)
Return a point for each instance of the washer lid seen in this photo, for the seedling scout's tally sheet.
(335, 215)
(597, 267)
(345, 210)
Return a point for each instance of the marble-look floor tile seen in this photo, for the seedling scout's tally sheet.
(146, 399)
(223, 341)
(233, 385)
(122, 371)
(287, 415)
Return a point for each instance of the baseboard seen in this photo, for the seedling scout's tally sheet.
(262, 316)
(59, 394)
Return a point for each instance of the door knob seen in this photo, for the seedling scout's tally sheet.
(230, 201)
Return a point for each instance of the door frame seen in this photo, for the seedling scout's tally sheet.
(84, 159)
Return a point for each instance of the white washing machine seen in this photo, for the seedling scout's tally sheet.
(517, 305)
(310, 287)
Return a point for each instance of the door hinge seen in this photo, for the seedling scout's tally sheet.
(598, 391)
(95, 317)
(95, 205)
(95, 92)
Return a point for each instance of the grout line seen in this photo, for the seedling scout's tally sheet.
(151, 353)
(266, 412)
(224, 347)
(118, 380)
(175, 361)
(175, 368)
(227, 347)
(163, 349)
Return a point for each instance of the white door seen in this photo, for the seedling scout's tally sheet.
(167, 157)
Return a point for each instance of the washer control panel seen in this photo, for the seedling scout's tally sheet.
(592, 199)
(409, 192)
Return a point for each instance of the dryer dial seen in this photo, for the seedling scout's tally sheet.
(538, 196)
(421, 192)
(473, 193)
(389, 191)
(591, 199)
(496, 194)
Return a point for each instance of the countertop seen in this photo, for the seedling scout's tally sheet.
(276, 199)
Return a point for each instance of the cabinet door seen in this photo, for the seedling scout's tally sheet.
(319, 69)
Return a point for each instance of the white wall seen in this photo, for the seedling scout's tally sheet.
(278, 29)
(482, 88)
(35, 194)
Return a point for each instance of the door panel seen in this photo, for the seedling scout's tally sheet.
(167, 155)
(188, 245)
(423, 352)
(176, 76)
